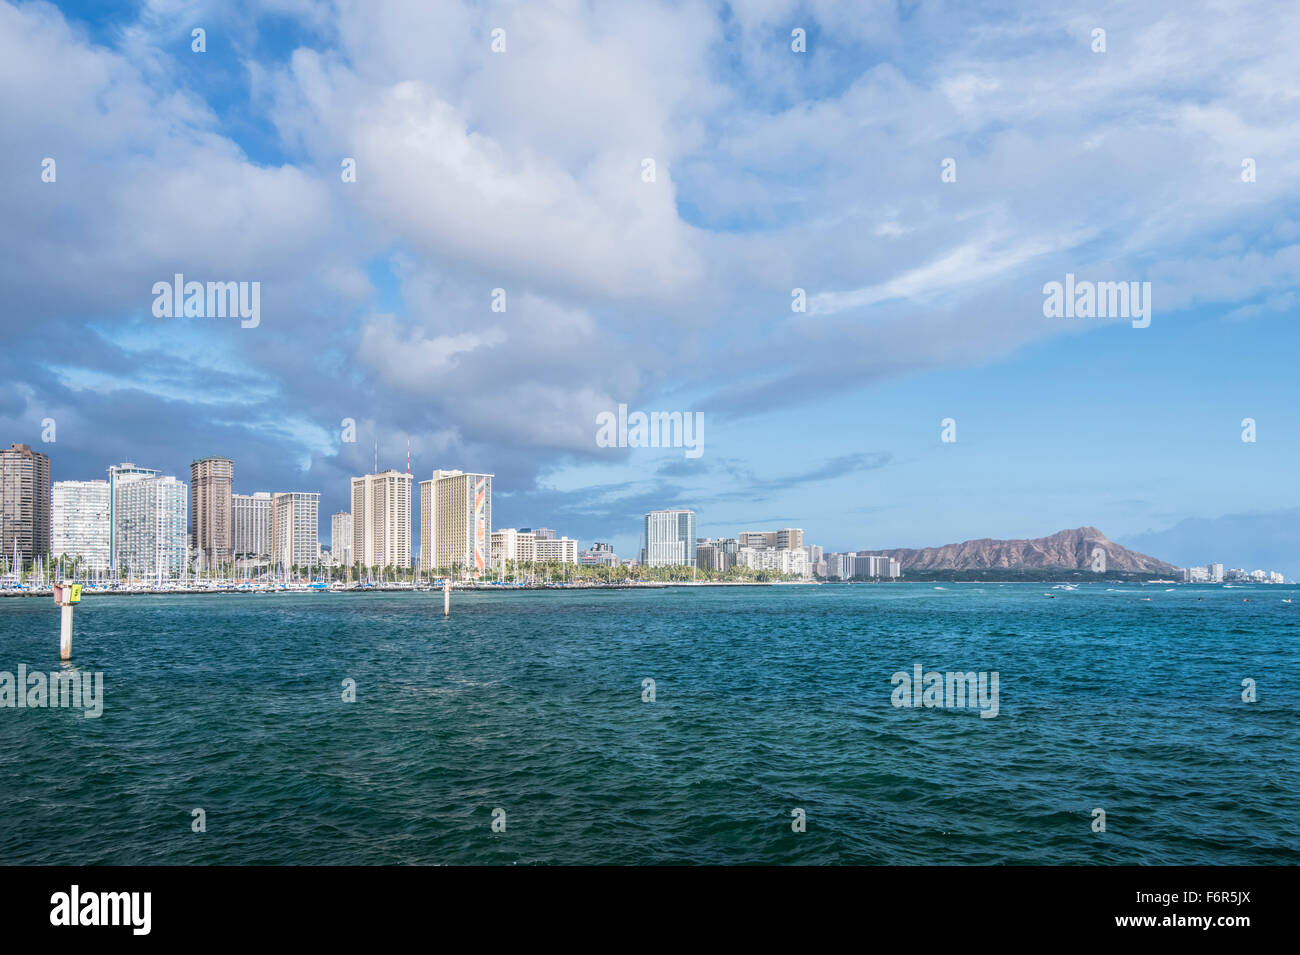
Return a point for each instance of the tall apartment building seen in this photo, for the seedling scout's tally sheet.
(841, 566)
(211, 521)
(24, 502)
(780, 559)
(669, 537)
(341, 537)
(147, 531)
(455, 515)
(80, 516)
(871, 565)
(718, 554)
(876, 565)
(250, 525)
(788, 538)
(119, 474)
(294, 528)
(381, 519)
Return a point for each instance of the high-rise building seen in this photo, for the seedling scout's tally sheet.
(874, 566)
(119, 474)
(250, 525)
(669, 538)
(381, 519)
(455, 515)
(294, 528)
(787, 538)
(24, 503)
(716, 554)
(841, 566)
(80, 514)
(211, 523)
(782, 560)
(341, 538)
(147, 531)
(541, 533)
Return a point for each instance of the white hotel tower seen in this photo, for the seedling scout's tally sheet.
(148, 522)
(81, 522)
(669, 538)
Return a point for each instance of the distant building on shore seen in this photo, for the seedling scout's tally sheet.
(561, 550)
(250, 522)
(862, 566)
(669, 537)
(211, 521)
(509, 543)
(787, 538)
(716, 554)
(118, 474)
(1215, 574)
(341, 538)
(598, 555)
(295, 528)
(782, 560)
(381, 519)
(80, 522)
(25, 521)
(148, 533)
(1209, 574)
(521, 546)
(456, 521)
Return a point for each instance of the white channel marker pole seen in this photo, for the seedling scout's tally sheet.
(63, 597)
(65, 633)
(446, 597)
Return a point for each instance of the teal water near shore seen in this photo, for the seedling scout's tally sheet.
(767, 700)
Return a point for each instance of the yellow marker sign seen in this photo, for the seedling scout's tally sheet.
(76, 593)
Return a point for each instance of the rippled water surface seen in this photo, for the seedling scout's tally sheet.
(768, 699)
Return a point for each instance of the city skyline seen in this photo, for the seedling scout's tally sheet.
(260, 509)
(873, 268)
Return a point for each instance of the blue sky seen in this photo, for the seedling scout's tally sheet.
(775, 170)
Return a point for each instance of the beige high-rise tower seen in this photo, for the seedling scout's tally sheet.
(24, 503)
(211, 481)
(381, 519)
(455, 522)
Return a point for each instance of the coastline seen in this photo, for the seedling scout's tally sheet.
(390, 588)
(626, 585)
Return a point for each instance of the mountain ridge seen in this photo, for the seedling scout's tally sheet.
(1071, 549)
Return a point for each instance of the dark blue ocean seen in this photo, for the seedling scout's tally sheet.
(767, 700)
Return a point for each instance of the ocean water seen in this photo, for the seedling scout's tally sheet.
(767, 700)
